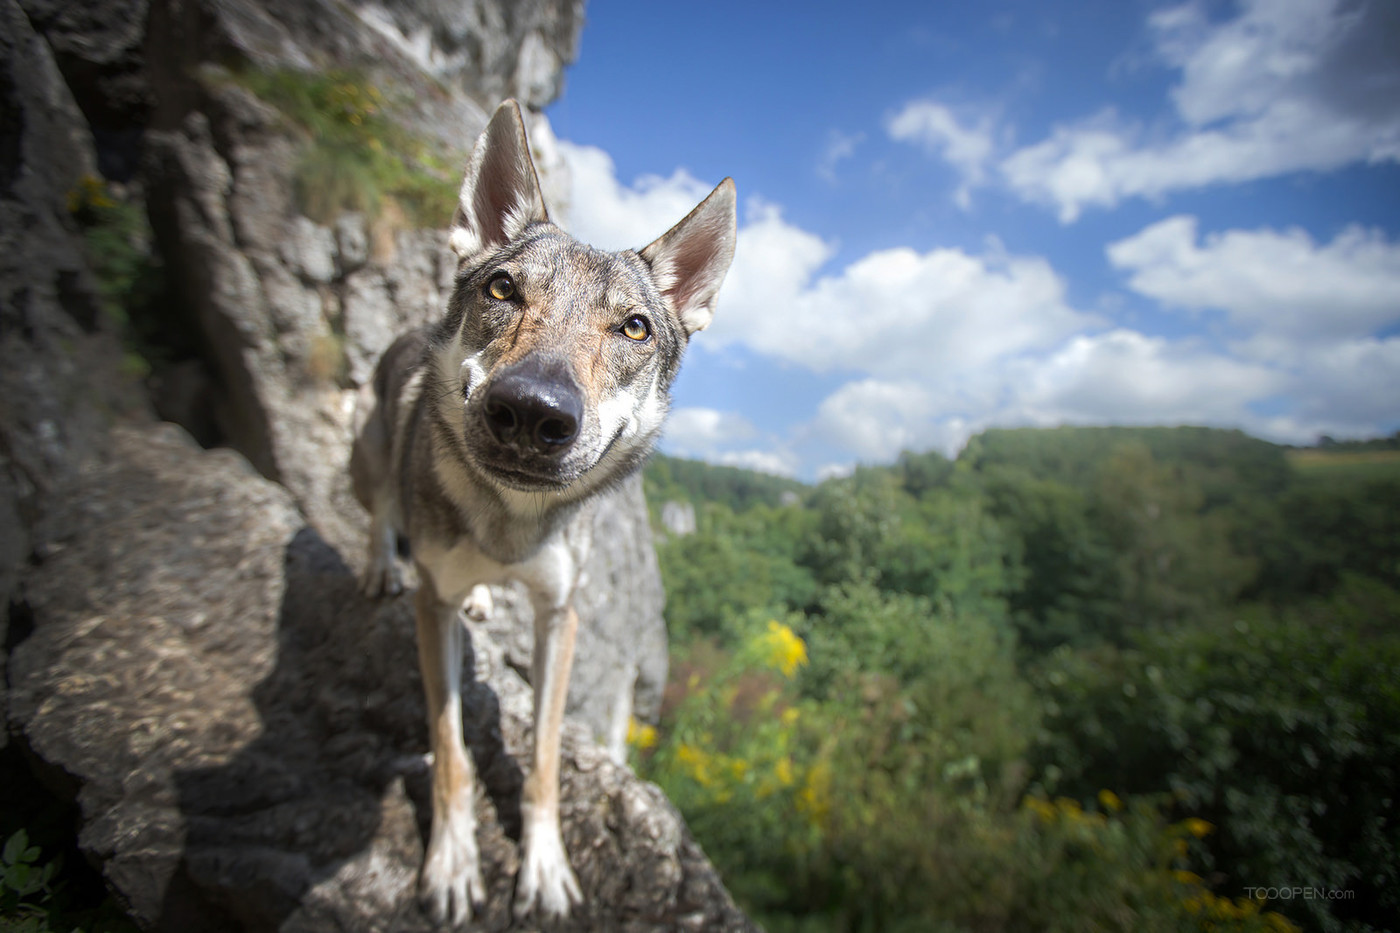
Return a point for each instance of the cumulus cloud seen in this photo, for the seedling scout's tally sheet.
(1118, 376)
(611, 215)
(1313, 314)
(1124, 376)
(1277, 283)
(696, 431)
(877, 419)
(896, 311)
(778, 462)
(938, 130)
(1304, 85)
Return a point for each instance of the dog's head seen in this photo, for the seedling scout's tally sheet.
(554, 363)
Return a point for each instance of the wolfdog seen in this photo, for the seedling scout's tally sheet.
(482, 439)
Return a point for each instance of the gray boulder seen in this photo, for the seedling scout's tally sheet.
(245, 732)
(61, 376)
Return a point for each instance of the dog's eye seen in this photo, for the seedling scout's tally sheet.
(636, 328)
(501, 287)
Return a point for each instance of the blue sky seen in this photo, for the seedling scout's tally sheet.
(956, 215)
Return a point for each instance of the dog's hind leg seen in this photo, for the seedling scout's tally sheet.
(545, 880)
(450, 883)
(373, 483)
(381, 575)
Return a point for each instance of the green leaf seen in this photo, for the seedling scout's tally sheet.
(15, 846)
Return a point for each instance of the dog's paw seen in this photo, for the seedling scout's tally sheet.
(381, 578)
(546, 883)
(450, 883)
(479, 604)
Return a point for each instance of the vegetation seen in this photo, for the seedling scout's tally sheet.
(129, 276)
(1114, 679)
(355, 158)
(44, 883)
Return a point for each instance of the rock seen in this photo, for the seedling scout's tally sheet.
(308, 249)
(508, 50)
(678, 518)
(369, 321)
(352, 239)
(60, 365)
(97, 45)
(246, 732)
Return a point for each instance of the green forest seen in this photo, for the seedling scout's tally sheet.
(1075, 679)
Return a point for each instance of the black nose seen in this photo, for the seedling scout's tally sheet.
(534, 405)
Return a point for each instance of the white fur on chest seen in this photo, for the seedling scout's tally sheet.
(550, 572)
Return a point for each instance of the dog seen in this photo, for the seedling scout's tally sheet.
(481, 441)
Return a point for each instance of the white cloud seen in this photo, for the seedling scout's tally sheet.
(934, 127)
(604, 212)
(876, 419)
(697, 431)
(710, 434)
(839, 147)
(1310, 314)
(1273, 283)
(1124, 376)
(1349, 385)
(777, 462)
(1304, 85)
(896, 311)
(1120, 376)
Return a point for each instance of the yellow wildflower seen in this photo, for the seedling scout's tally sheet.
(640, 734)
(814, 799)
(782, 648)
(1109, 801)
(1198, 827)
(695, 762)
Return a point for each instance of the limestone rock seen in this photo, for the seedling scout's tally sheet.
(60, 366)
(246, 732)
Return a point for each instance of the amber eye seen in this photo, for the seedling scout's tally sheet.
(636, 328)
(501, 287)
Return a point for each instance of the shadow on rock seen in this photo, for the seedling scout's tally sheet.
(321, 821)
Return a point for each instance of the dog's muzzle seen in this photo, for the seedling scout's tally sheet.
(534, 407)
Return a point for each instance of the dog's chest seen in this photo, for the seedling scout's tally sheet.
(549, 572)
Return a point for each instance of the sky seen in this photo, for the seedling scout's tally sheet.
(958, 215)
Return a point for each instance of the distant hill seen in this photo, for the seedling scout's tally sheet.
(1224, 462)
(674, 479)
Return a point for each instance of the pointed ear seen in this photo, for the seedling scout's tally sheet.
(689, 260)
(500, 191)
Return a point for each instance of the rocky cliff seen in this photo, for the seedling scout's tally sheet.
(187, 656)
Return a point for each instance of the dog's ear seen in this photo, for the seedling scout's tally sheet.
(500, 191)
(689, 260)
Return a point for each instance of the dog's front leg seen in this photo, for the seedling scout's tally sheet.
(450, 882)
(546, 880)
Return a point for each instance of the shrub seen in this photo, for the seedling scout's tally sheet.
(356, 158)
